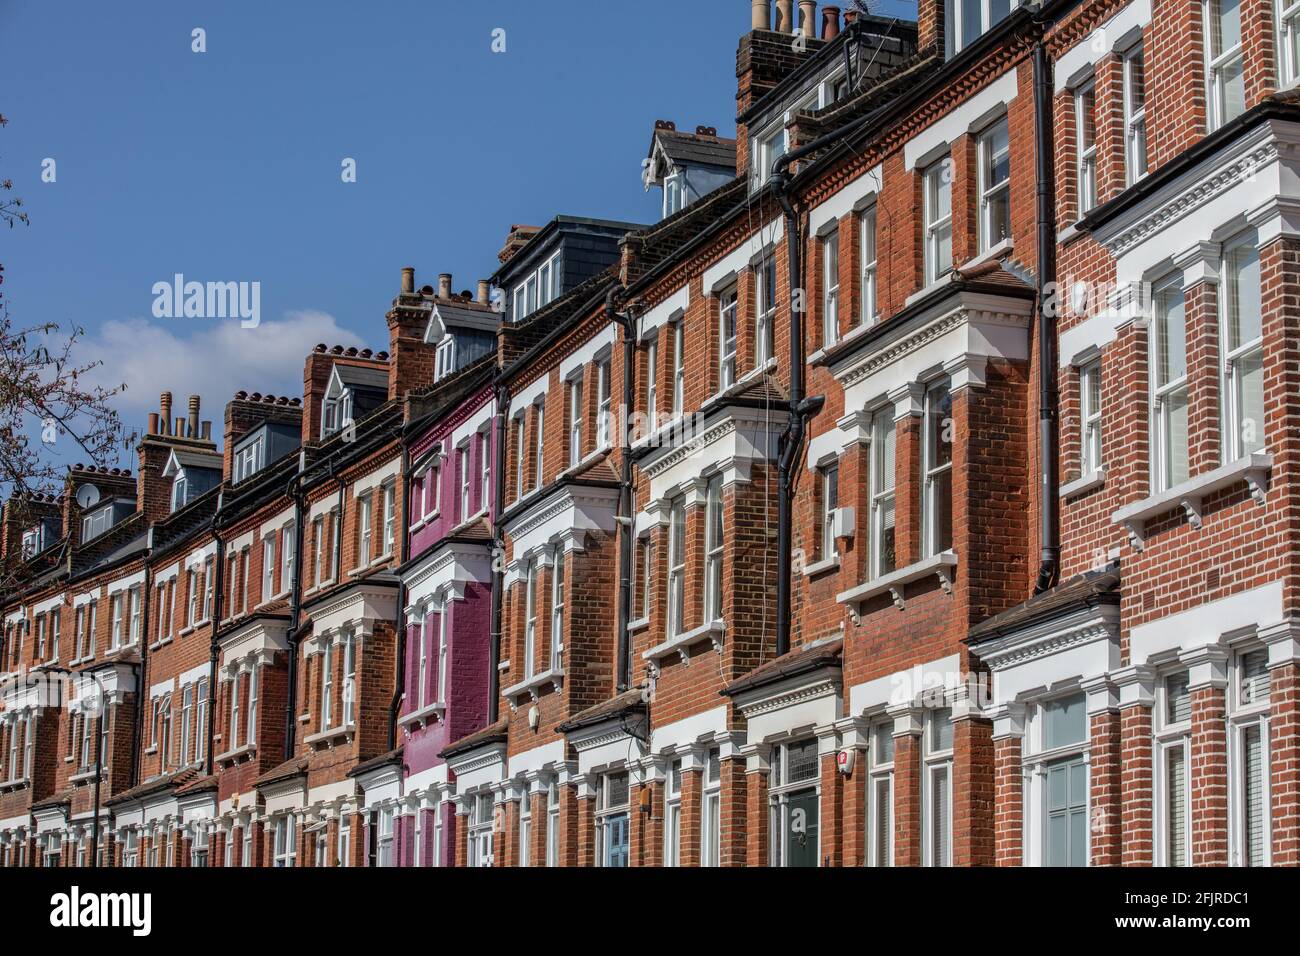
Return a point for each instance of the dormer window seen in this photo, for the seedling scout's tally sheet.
(967, 20)
(444, 359)
(537, 289)
(771, 147)
(96, 522)
(250, 458)
(336, 408)
(674, 194)
(180, 491)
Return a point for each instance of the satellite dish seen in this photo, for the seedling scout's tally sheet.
(87, 496)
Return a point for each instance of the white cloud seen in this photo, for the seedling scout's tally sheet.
(212, 360)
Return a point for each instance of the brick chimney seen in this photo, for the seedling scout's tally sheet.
(153, 492)
(411, 361)
(516, 240)
(764, 59)
(246, 412)
(19, 515)
(929, 25)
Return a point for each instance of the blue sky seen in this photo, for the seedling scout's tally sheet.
(225, 165)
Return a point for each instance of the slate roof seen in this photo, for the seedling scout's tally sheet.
(629, 702)
(496, 733)
(1091, 589)
(695, 148)
(801, 660)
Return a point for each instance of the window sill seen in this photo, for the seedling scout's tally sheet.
(148, 753)
(231, 757)
(1089, 482)
(926, 291)
(345, 731)
(998, 251)
(740, 384)
(1069, 234)
(423, 717)
(532, 687)
(679, 645)
(82, 776)
(1254, 470)
(16, 784)
(639, 624)
(821, 567)
(894, 583)
(156, 645)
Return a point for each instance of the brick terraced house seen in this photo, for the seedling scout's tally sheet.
(918, 491)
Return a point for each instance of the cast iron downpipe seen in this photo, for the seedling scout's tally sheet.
(801, 408)
(142, 669)
(294, 490)
(1045, 212)
(625, 516)
(501, 396)
(214, 646)
(404, 549)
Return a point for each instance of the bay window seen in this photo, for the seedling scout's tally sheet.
(1243, 351)
(937, 788)
(1173, 721)
(613, 832)
(880, 795)
(1250, 790)
(286, 842)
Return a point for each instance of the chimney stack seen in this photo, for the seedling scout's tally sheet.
(785, 16)
(807, 18)
(193, 430)
(408, 280)
(484, 292)
(830, 23)
(761, 15)
(444, 285)
(165, 413)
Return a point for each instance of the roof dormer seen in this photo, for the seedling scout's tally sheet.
(687, 166)
(192, 473)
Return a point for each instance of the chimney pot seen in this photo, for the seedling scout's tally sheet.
(205, 430)
(807, 18)
(165, 411)
(784, 16)
(193, 431)
(484, 292)
(153, 423)
(830, 23)
(408, 279)
(178, 427)
(761, 15)
(444, 285)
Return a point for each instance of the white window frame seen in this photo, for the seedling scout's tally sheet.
(679, 367)
(828, 478)
(1288, 41)
(1135, 117)
(1217, 64)
(715, 543)
(327, 686)
(389, 492)
(884, 489)
(531, 611)
(1085, 169)
(880, 790)
(937, 764)
(830, 249)
(728, 307)
(869, 253)
(673, 814)
(765, 287)
(933, 471)
(992, 193)
(711, 824)
(1234, 445)
(607, 816)
(1170, 736)
(1248, 713)
(286, 842)
(1090, 424)
(937, 178)
(1164, 393)
(603, 404)
(954, 15)
(780, 789)
(557, 608)
(575, 421)
(676, 616)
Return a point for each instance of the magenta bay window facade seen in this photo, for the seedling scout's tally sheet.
(448, 621)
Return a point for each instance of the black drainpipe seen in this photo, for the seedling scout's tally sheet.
(625, 516)
(1049, 531)
(294, 490)
(141, 669)
(801, 408)
(501, 395)
(404, 549)
(218, 585)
